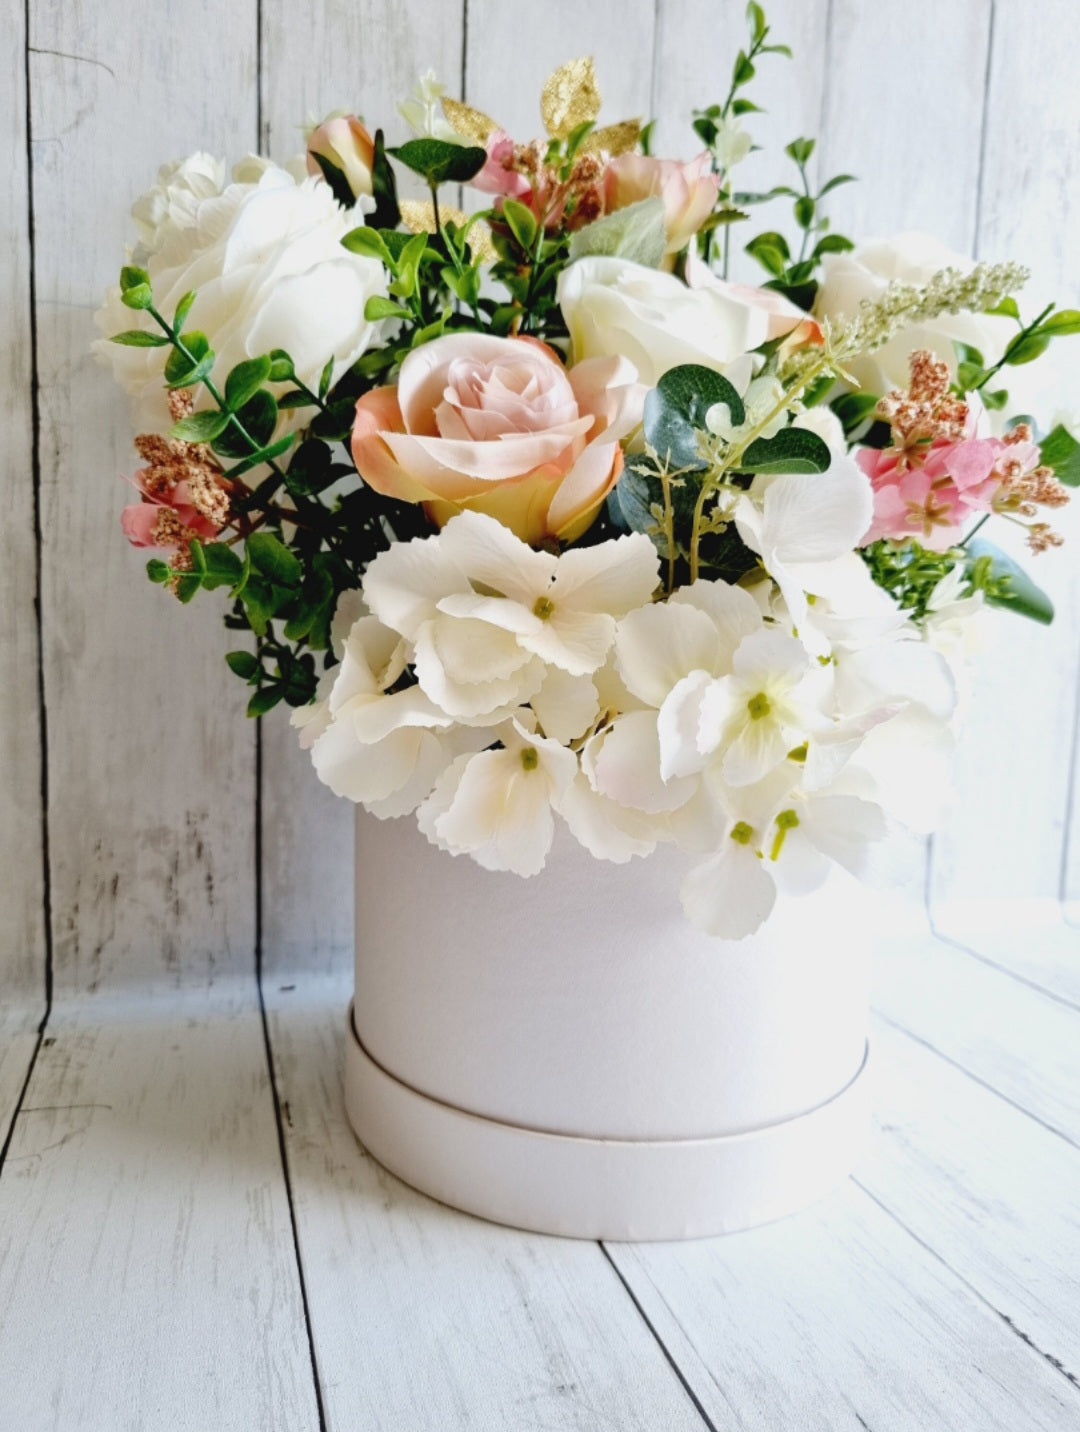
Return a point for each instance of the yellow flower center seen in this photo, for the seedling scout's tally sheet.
(530, 759)
(785, 821)
(742, 833)
(544, 609)
(759, 706)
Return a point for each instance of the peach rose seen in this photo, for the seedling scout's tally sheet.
(688, 191)
(499, 425)
(343, 142)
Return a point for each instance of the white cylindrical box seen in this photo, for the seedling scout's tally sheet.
(568, 1054)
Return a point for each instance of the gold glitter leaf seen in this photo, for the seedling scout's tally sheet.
(418, 217)
(613, 138)
(468, 122)
(571, 96)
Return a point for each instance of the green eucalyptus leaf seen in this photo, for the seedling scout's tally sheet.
(675, 412)
(132, 276)
(1005, 583)
(244, 664)
(183, 308)
(157, 570)
(265, 454)
(221, 566)
(281, 367)
(791, 450)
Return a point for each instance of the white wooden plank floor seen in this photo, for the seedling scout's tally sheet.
(190, 1238)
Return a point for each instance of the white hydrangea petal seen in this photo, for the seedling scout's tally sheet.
(349, 609)
(607, 830)
(365, 772)
(433, 755)
(678, 724)
(909, 760)
(372, 658)
(471, 670)
(731, 895)
(440, 800)
(800, 868)
(734, 613)
(500, 814)
(566, 706)
(496, 611)
(491, 555)
(577, 642)
(656, 646)
(844, 829)
(757, 749)
(372, 720)
(770, 660)
(810, 517)
(829, 750)
(613, 577)
(624, 765)
(891, 671)
(403, 585)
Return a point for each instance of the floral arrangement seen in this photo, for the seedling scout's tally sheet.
(536, 516)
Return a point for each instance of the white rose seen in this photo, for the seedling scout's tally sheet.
(173, 203)
(265, 261)
(615, 307)
(866, 272)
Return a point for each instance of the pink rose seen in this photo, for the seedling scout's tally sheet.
(498, 425)
(343, 142)
(688, 191)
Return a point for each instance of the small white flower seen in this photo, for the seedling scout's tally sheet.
(423, 113)
(732, 144)
(497, 805)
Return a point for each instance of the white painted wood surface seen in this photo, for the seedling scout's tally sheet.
(189, 1236)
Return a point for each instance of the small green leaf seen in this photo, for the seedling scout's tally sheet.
(244, 663)
(187, 585)
(221, 566)
(157, 570)
(755, 19)
(378, 307)
(1058, 325)
(676, 408)
(1061, 451)
(835, 182)
(791, 450)
(805, 208)
(200, 427)
(265, 699)
(183, 308)
(853, 410)
(245, 380)
(370, 243)
(133, 277)
(281, 367)
(800, 150)
(771, 251)
(521, 221)
(139, 338)
(326, 377)
(1005, 583)
(635, 233)
(743, 72)
(272, 558)
(832, 244)
(1007, 308)
(1026, 347)
(266, 454)
(180, 371)
(440, 162)
(140, 296)
(258, 417)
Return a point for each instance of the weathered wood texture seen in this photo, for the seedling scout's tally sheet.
(151, 769)
(147, 1269)
(22, 921)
